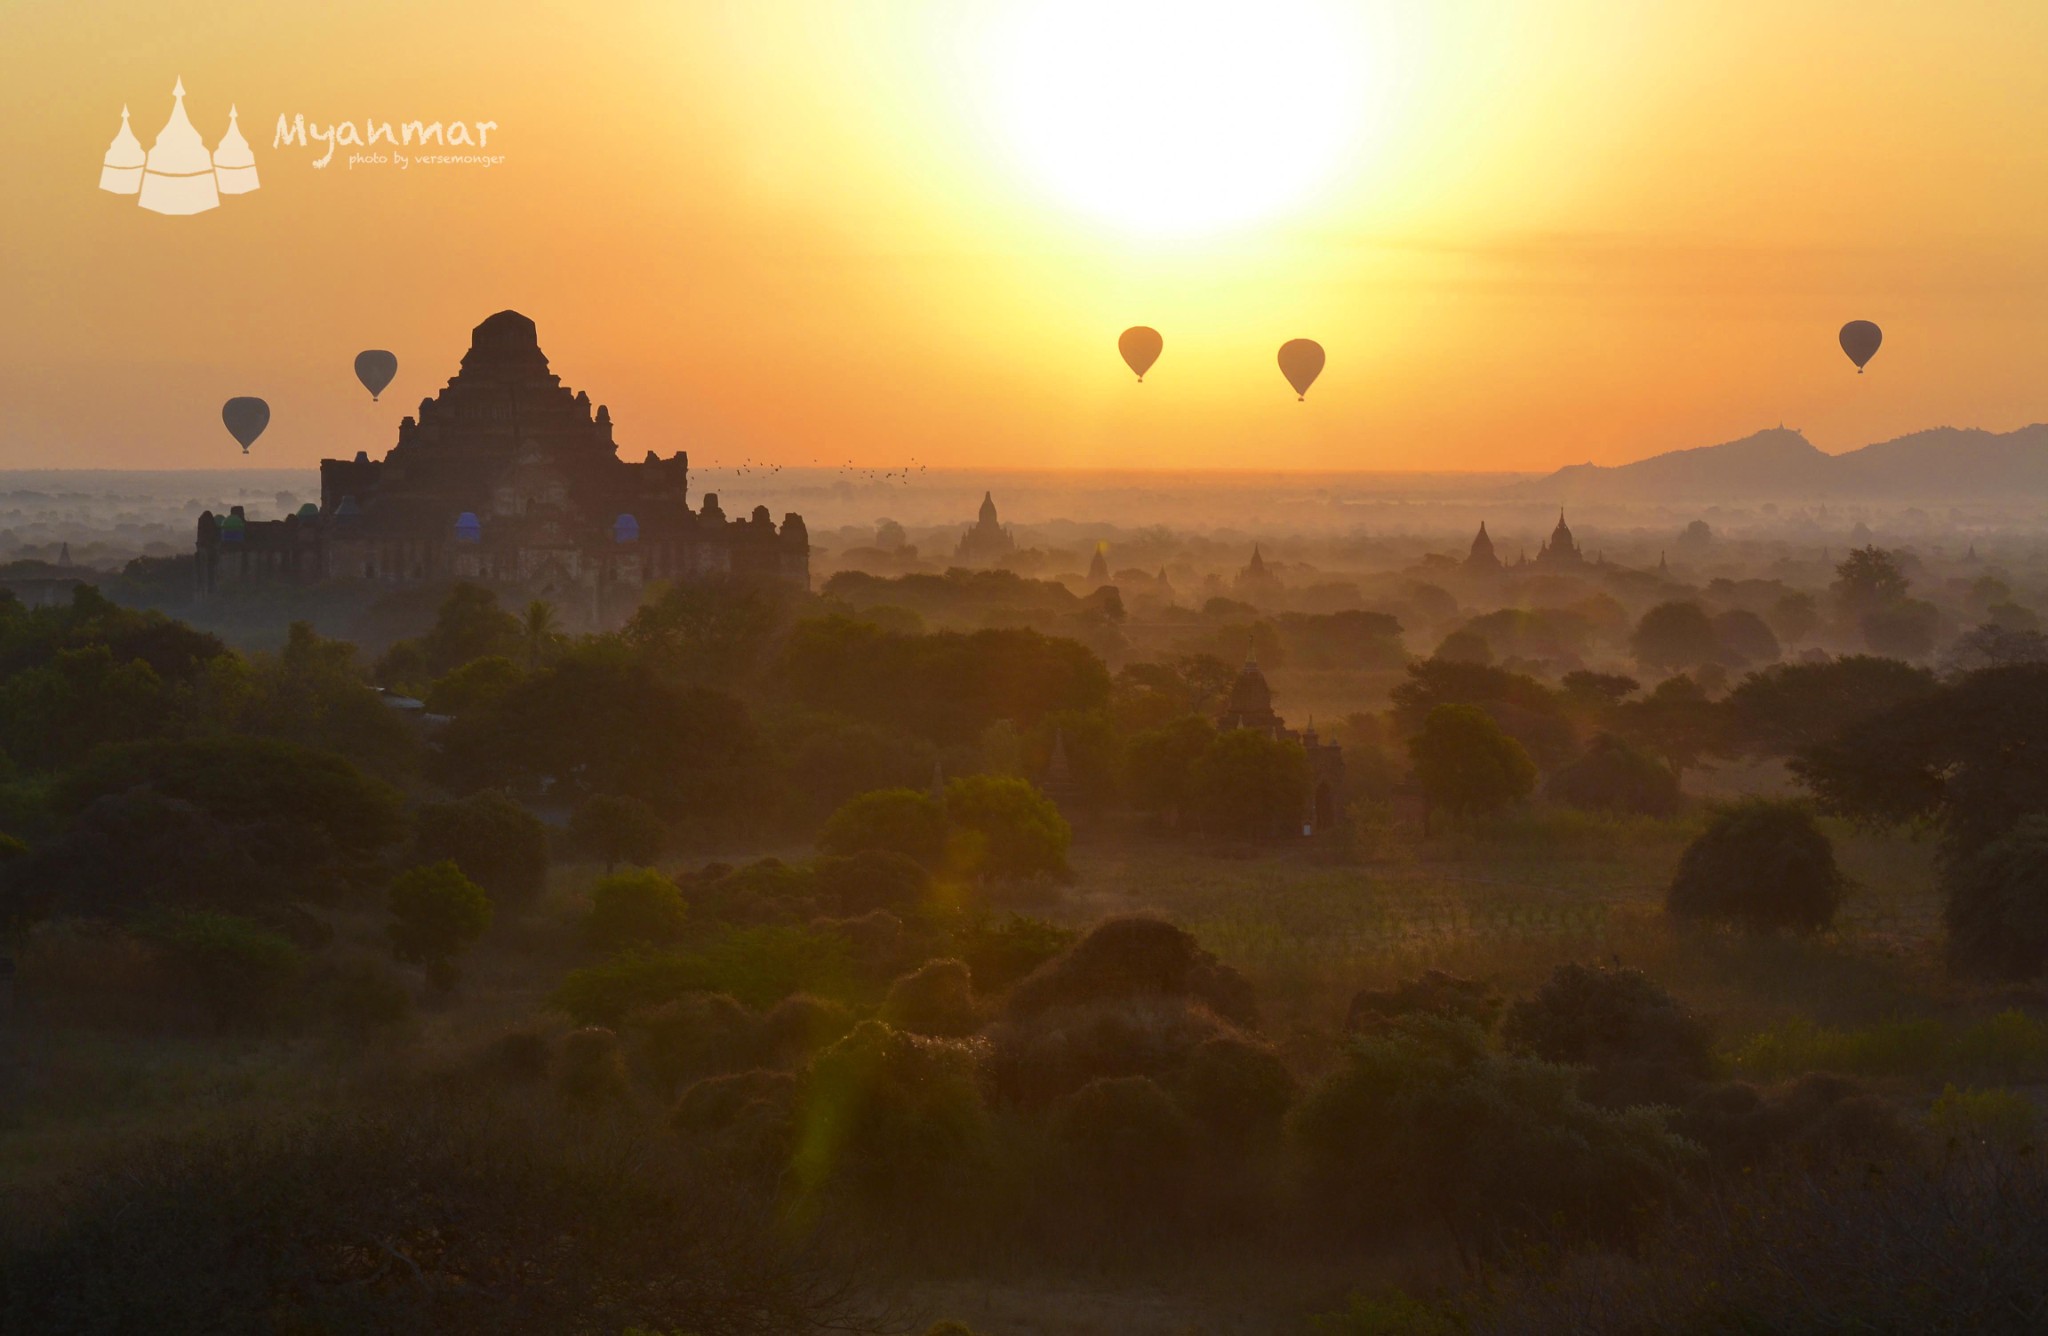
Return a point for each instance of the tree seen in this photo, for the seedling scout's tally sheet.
(1425, 1120)
(1249, 785)
(1745, 638)
(1613, 776)
(494, 840)
(437, 912)
(1675, 721)
(1001, 826)
(1997, 911)
(1791, 705)
(239, 971)
(1967, 755)
(713, 633)
(1994, 646)
(1675, 636)
(638, 907)
(474, 686)
(1159, 764)
(1867, 579)
(902, 821)
(539, 631)
(1794, 617)
(1903, 629)
(1466, 765)
(616, 830)
(1761, 864)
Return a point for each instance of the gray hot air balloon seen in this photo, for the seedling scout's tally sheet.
(1301, 361)
(375, 368)
(246, 416)
(1140, 345)
(1860, 339)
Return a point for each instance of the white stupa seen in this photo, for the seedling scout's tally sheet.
(234, 166)
(121, 173)
(178, 176)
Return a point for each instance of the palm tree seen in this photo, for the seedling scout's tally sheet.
(539, 629)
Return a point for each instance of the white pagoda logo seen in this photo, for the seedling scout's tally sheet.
(178, 175)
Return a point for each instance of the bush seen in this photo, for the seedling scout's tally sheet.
(1641, 1045)
(1037, 1058)
(757, 966)
(1135, 956)
(1762, 864)
(1436, 993)
(1238, 1090)
(1128, 1142)
(1424, 1121)
(999, 954)
(634, 908)
(498, 844)
(1466, 764)
(1997, 908)
(1817, 1121)
(1612, 776)
(364, 998)
(800, 1025)
(870, 880)
(439, 912)
(697, 1035)
(2004, 1118)
(898, 821)
(238, 971)
(893, 1123)
(616, 830)
(938, 999)
(439, 1219)
(591, 1065)
(1000, 826)
(519, 1057)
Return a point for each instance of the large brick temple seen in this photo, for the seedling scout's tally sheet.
(507, 477)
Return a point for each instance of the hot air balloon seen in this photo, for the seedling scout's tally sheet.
(1140, 345)
(1301, 361)
(375, 368)
(1860, 339)
(245, 417)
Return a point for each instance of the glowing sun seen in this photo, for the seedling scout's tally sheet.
(1177, 116)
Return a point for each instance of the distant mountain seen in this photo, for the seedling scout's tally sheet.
(1944, 463)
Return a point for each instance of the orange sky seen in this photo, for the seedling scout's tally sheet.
(1533, 234)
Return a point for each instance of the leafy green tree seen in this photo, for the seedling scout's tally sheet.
(1613, 776)
(240, 972)
(1249, 785)
(307, 809)
(1764, 865)
(1424, 1121)
(496, 842)
(314, 693)
(1965, 755)
(595, 721)
(1159, 764)
(1466, 765)
(1791, 705)
(712, 633)
(616, 830)
(540, 631)
(437, 912)
(474, 686)
(469, 625)
(1000, 826)
(637, 907)
(1675, 721)
(1997, 911)
(1676, 635)
(901, 821)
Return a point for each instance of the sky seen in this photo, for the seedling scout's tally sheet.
(895, 231)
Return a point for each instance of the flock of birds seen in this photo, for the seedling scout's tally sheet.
(1301, 361)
